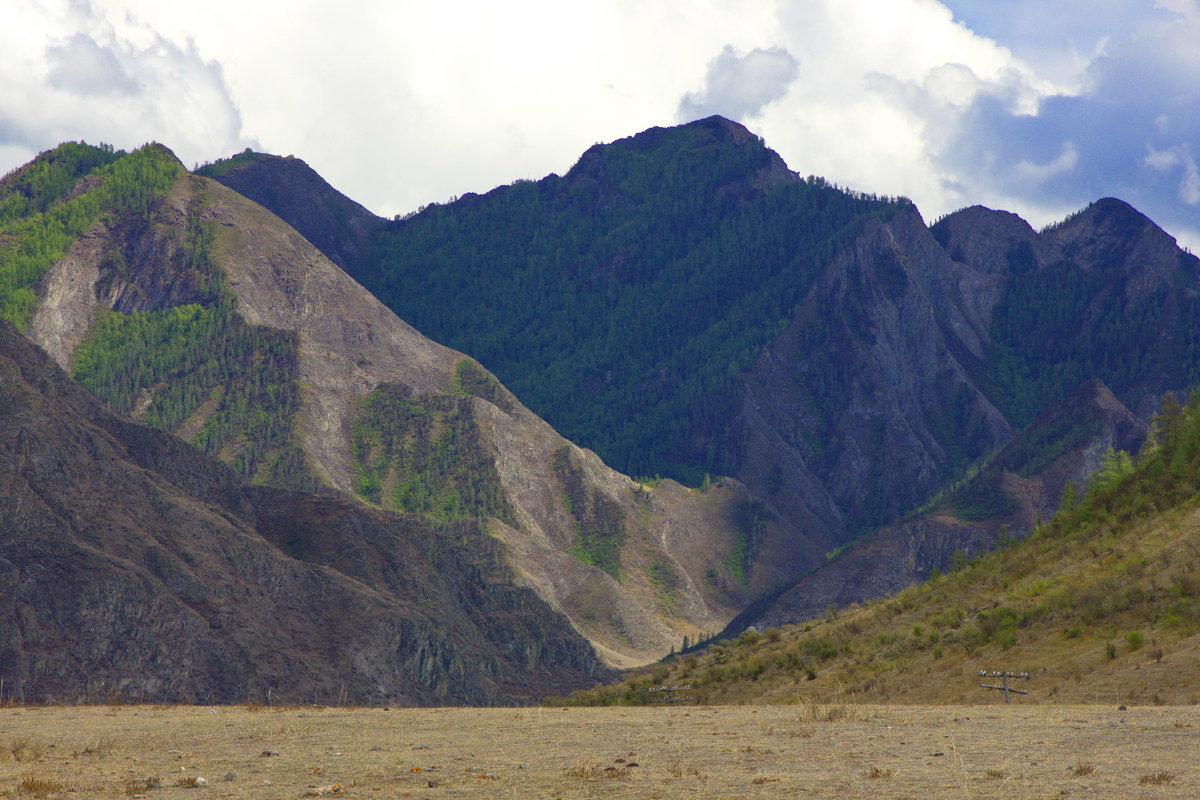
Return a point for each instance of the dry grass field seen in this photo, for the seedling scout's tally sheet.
(832, 751)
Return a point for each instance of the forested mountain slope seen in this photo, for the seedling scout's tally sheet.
(1105, 294)
(189, 307)
(1013, 491)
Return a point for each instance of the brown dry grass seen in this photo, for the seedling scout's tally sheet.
(696, 752)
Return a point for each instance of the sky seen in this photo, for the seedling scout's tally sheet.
(1024, 105)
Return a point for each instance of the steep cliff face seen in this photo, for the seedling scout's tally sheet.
(930, 348)
(133, 566)
(1018, 487)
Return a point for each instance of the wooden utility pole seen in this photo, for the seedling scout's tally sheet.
(671, 694)
(1006, 677)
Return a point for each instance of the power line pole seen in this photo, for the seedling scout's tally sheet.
(1005, 676)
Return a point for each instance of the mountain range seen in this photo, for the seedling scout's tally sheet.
(825, 400)
(683, 304)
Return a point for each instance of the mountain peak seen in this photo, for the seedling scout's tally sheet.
(738, 132)
(1106, 217)
(1109, 207)
(330, 221)
(714, 147)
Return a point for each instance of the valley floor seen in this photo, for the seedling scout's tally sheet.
(831, 751)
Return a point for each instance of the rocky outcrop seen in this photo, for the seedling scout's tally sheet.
(134, 567)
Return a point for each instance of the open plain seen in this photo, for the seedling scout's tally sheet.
(830, 751)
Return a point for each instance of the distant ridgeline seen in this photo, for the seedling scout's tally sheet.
(620, 302)
(171, 352)
(1081, 317)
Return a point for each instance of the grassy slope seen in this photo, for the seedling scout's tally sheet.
(1102, 603)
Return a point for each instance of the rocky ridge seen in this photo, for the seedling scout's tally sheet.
(1019, 487)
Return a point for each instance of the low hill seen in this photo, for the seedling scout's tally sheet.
(1101, 603)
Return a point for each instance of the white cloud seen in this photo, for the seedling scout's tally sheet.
(1188, 9)
(81, 65)
(879, 82)
(70, 73)
(738, 87)
(1178, 157)
(402, 102)
(1030, 172)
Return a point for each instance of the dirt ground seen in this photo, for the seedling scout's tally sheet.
(834, 751)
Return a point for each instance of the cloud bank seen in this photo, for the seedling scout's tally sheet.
(1037, 108)
(1106, 103)
(737, 87)
(1131, 130)
(69, 73)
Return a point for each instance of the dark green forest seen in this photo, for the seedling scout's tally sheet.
(193, 359)
(599, 521)
(621, 301)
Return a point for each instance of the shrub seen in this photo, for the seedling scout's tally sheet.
(1156, 779)
(23, 748)
(39, 787)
